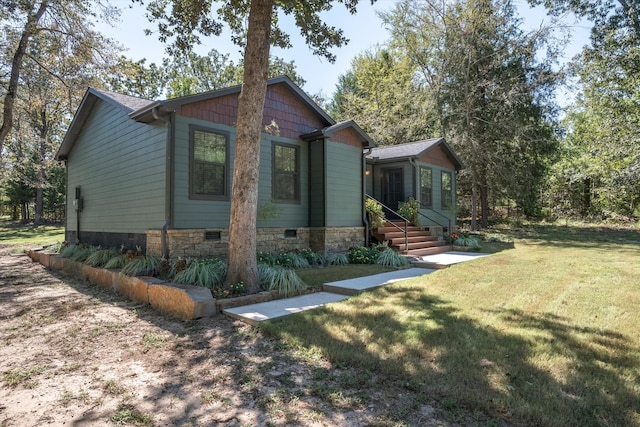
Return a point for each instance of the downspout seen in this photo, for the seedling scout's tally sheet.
(364, 195)
(168, 182)
(416, 174)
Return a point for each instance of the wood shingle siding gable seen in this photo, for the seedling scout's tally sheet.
(282, 106)
(437, 156)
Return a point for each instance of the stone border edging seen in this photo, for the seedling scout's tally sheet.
(184, 301)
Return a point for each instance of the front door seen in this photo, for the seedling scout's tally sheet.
(392, 188)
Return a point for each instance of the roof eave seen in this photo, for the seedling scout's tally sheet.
(83, 111)
(327, 132)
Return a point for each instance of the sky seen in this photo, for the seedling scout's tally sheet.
(364, 31)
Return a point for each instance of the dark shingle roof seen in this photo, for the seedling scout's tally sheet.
(131, 103)
(411, 150)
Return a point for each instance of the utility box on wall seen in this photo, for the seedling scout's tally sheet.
(78, 202)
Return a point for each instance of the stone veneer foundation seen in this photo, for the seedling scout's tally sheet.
(215, 242)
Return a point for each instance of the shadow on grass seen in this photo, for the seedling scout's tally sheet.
(422, 340)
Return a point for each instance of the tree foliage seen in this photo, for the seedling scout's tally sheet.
(491, 89)
(381, 93)
(54, 54)
(598, 174)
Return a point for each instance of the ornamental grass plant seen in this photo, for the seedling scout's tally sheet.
(209, 273)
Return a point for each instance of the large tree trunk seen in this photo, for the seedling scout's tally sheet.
(16, 65)
(242, 263)
(484, 201)
(474, 201)
(40, 174)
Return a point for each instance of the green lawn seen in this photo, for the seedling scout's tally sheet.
(16, 234)
(545, 331)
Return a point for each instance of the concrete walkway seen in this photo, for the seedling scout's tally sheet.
(446, 259)
(341, 290)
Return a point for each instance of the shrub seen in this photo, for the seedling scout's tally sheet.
(390, 258)
(375, 213)
(313, 258)
(362, 255)
(266, 258)
(291, 260)
(410, 210)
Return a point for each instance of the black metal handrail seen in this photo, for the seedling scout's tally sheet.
(406, 221)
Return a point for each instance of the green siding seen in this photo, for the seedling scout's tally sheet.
(344, 185)
(190, 213)
(316, 184)
(437, 214)
(123, 183)
(290, 215)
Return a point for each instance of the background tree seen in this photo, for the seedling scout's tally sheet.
(135, 78)
(491, 89)
(381, 93)
(55, 56)
(190, 73)
(599, 172)
(24, 21)
(183, 22)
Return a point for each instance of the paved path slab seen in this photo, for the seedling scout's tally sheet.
(360, 284)
(255, 313)
(448, 258)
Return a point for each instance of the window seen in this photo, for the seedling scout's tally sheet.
(286, 173)
(208, 164)
(446, 190)
(425, 187)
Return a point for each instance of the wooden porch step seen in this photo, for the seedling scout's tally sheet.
(411, 239)
(399, 229)
(419, 245)
(397, 234)
(429, 251)
(419, 242)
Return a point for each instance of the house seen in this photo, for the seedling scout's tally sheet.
(157, 174)
(423, 170)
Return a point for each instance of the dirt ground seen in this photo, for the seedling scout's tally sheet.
(74, 354)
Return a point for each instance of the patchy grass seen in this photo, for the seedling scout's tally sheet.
(128, 415)
(23, 376)
(544, 334)
(16, 234)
